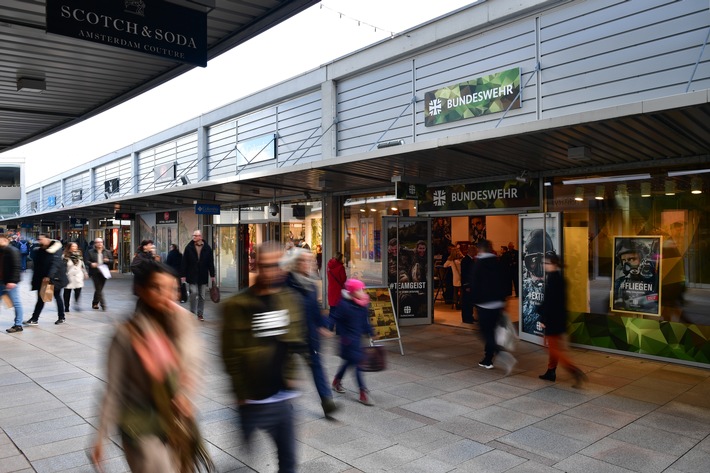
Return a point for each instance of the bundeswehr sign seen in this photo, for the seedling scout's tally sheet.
(480, 96)
(147, 26)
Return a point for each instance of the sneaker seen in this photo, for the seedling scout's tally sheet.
(31, 322)
(95, 306)
(485, 364)
(338, 387)
(59, 322)
(14, 328)
(200, 318)
(66, 309)
(364, 398)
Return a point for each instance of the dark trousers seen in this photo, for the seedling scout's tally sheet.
(358, 373)
(466, 306)
(40, 304)
(67, 296)
(276, 419)
(313, 359)
(99, 282)
(488, 320)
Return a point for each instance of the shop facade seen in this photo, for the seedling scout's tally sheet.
(584, 122)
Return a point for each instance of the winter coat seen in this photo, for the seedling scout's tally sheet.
(10, 257)
(489, 280)
(48, 264)
(92, 256)
(553, 310)
(351, 322)
(174, 260)
(75, 273)
(197, 270)
(336, 281)
(311, 310)
(257, 341)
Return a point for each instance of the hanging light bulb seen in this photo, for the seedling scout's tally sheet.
(696, 185)
(670, 187)
(645, 189)
(579, 194)
(600, 193)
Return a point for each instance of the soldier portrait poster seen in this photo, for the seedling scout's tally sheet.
(407, 266)
(540, 236)
(637, 266)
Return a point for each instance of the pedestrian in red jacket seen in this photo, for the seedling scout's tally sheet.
(336, 280)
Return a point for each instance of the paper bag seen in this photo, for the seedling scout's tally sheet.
(46, 290)
(6, 300)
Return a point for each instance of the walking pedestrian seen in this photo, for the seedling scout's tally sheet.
(76, 273)
(153, 366)
(488, 293)
(198, 270)
(100, 260)
(48, 269)
(174, 258)
(351, 319)
(336, 280)
(299, 266)
(10, 268)
(553, 319)
(262, 328)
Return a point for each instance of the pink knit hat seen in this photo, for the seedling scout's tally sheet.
(354, 285)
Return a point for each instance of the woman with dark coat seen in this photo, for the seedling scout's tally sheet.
(48, 267)
(174, 258)
(553, 318)
(351, 319)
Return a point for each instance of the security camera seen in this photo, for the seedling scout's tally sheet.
(273, 210)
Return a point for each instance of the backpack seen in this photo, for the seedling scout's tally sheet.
(23, 247)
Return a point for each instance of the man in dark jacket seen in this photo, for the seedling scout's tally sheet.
(490, 285)
(263, 328)
(100, 260)
(197, 269)
(9, 277)
(48, 268)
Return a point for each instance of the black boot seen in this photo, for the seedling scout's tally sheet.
(549, 375)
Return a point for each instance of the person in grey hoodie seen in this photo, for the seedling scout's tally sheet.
(47, 260)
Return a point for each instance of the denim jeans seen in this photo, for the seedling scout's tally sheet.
(14, 294)
(276, 419)
(197, 298)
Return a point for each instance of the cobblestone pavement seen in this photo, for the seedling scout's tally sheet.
(435, 409)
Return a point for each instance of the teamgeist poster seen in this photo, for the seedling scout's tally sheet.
(540, 236)
(637, 264)
(407, 266)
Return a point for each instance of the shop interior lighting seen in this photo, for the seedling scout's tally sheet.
(600, 193)
(687, 172)
(645, 189)
(670, 187)
(579, 194)
(602, 180)
(696, 185)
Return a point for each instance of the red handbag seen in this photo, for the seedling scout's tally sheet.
(374, 359)
(214, 293)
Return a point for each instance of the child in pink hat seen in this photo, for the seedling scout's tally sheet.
(351, 319)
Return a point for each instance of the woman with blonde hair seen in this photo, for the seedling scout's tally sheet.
(454, 262)
(76, 273)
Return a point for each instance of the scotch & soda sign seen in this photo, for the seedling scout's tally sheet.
(480, 96)
(147, 26)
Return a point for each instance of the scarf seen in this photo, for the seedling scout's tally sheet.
(161, 361)
(75, 257)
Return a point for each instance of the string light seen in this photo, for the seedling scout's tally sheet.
(342, 15)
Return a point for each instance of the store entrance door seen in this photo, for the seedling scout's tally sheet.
(460, 233)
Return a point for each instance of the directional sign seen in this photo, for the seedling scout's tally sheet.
(207, 209)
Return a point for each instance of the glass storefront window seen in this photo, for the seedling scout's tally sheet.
(362, 233)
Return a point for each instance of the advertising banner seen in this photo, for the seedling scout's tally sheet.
(480, 96)
(152, 27)
(637, 265)
(482, 195)
(539, 236)
(382, 317)
(407, 266)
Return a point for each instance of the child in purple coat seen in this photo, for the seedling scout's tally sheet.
(351, 318)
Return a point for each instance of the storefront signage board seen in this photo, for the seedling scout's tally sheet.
(162, 218)
(207, 209)
(382, 317)
(479, 196)
(480, 96)
(153, 27)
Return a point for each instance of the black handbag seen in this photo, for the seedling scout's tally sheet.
(183, 292)
(374, 359)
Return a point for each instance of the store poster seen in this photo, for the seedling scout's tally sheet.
(637, 266)
(539, 236)
(407, 267)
